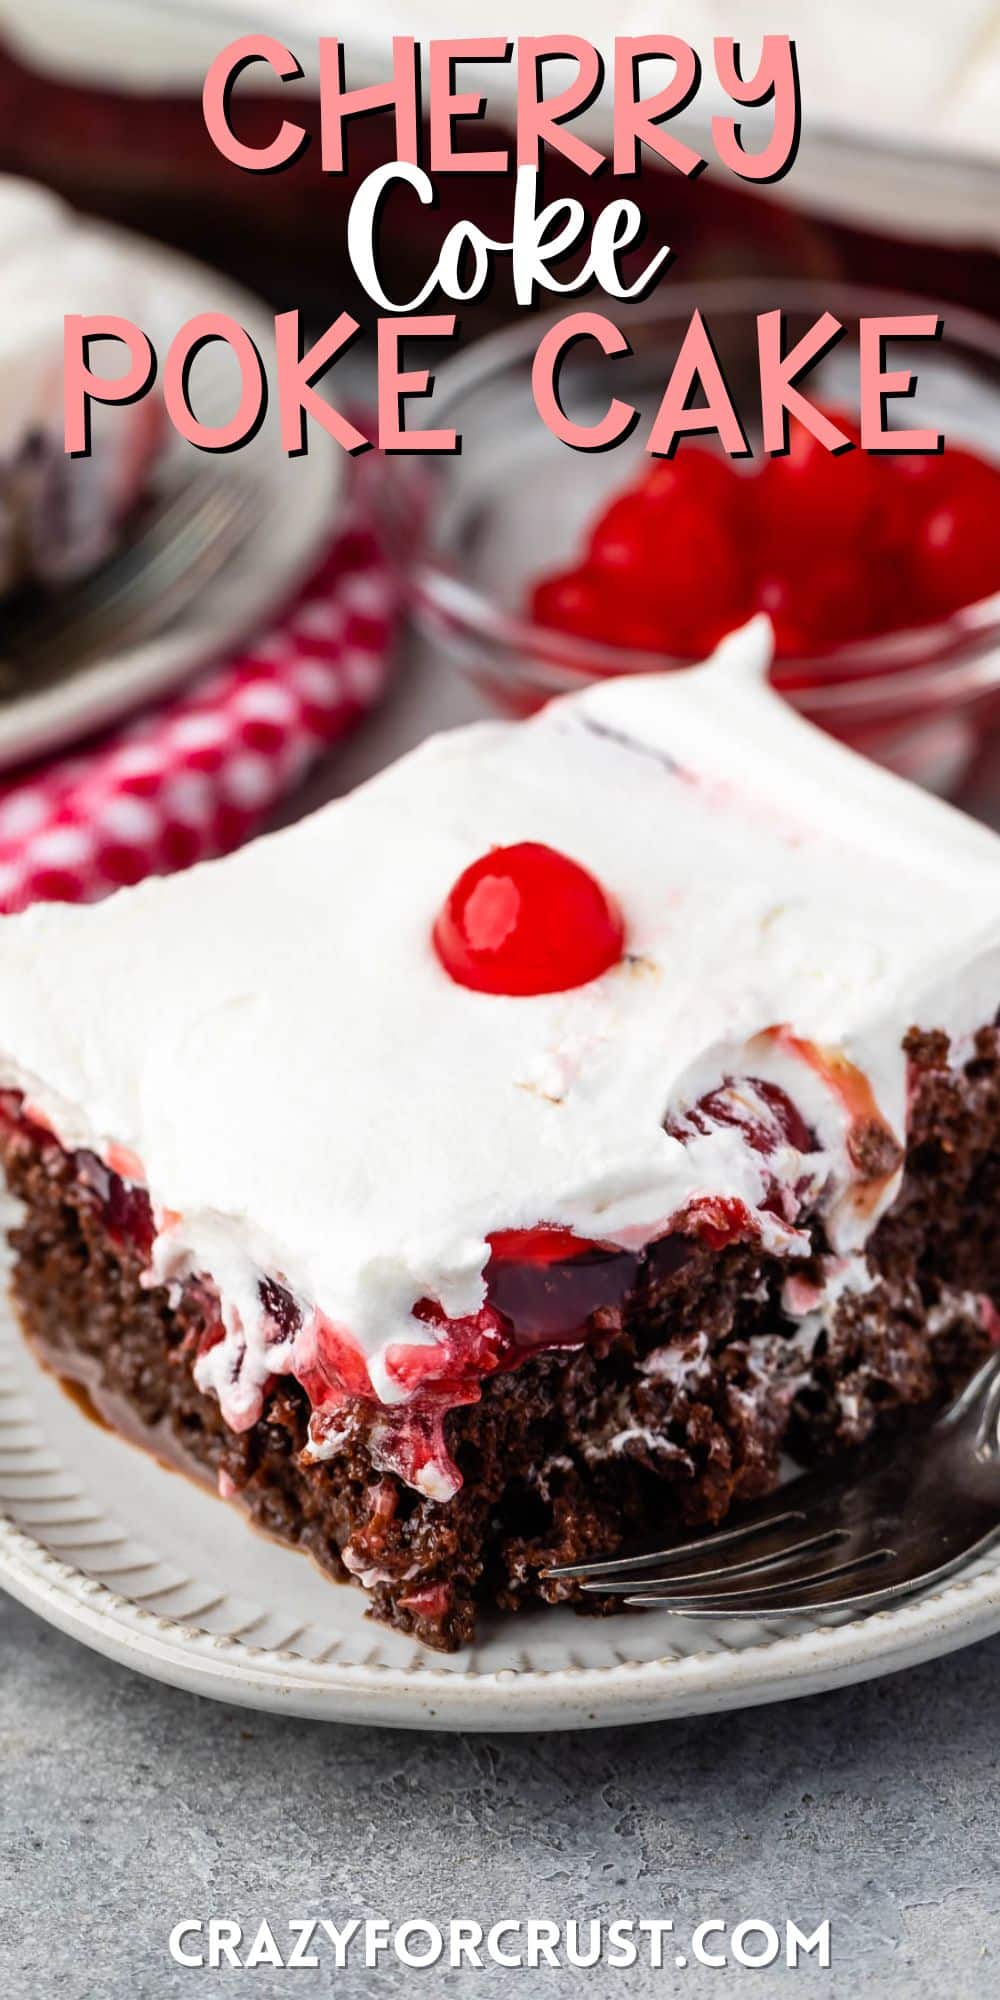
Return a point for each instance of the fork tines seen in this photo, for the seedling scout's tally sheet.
(891, 1519)
(180, 542)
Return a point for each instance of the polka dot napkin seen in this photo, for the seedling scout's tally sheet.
(199, 775)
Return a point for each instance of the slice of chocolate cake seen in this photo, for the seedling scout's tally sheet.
(60, 517)
(509, 1161)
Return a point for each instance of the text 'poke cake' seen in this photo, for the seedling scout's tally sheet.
(509, 1162)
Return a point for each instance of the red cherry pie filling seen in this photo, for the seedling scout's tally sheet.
(836, 549)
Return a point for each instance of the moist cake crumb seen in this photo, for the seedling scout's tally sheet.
(675, 1409)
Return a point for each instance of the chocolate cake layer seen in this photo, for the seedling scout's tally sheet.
(675, 1408)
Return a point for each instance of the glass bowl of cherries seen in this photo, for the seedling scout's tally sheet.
(541, 568)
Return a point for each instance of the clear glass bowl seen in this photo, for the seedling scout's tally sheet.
(477, 529)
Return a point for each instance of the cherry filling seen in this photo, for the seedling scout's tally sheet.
(547, 1284)
(282, 1312)
(761, 1111)
(124, 1209)
(873, 1149)
(766, 1119)
(545, 1289)
(834, 549)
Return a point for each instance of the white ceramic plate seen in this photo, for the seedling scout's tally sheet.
(147, 1568)
(293, 502)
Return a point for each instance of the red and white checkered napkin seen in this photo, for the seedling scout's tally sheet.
(199, 775)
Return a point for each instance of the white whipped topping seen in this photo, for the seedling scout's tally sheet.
(311, 1095)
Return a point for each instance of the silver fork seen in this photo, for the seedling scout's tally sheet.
(899, 1515)
(180, 543)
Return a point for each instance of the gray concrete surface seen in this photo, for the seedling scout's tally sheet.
(125, 1806)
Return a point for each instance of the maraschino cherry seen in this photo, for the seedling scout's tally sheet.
(526, 919)
(834, 549)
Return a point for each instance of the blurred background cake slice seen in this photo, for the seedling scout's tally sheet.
(61, 517)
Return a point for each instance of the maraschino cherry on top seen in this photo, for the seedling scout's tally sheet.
(527, 920)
